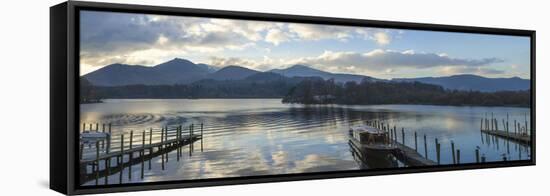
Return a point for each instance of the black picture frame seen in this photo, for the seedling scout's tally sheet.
(64, 83)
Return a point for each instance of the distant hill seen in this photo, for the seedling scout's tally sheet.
(232, 73)
(176, 71)
(306, 71)
(473, 82)
(181, 71)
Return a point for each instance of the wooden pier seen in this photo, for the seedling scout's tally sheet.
(108, 160)
(520, 133)
(405, 154)
(409, 154)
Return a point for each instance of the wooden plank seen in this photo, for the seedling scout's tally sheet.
(523, 138)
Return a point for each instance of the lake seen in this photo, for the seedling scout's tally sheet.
(244, 137)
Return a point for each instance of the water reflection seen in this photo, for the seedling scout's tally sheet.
(262, 136)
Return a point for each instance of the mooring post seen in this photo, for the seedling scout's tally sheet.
(425, 147)
(391, 135)
(121, 163)
(166, 140)
(142, 152)
(395, 134)
(97, 162)
(515, 127)
(202, 138)
(190, 141)
(162, 147)
(150, 146)
(453, 150)
(481, 124)
(107, 169)
(438, 151)
(477, 154)
(457, 156)
(131, 155)
(178, 143)
(103, 131)
(403, 135)
(109, 140)
(415, 142)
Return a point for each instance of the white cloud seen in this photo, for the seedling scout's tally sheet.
(276, 36)
(318, 32)
(382, 38)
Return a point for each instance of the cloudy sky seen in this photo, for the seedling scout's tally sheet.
(139, 39)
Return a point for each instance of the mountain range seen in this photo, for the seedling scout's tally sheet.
(181, 71)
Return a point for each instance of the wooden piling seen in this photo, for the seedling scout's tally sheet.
(481, 124)
(453, 150)
(190, 132)
(415, 142)
(103, 131)
(131, 155)
(151, 148)
(395, 134)
(403, 135)
(120, 165)
(178, 141)
(425, 147)
(109, 139)
(515, 127)
(97, 162)
(477, 155)
(107, 170)
(142, 153)
(437, 150)
(391, 135)
(202, 138)
(162, 147)
(166, 139)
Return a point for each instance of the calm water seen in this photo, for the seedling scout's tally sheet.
(263, 136)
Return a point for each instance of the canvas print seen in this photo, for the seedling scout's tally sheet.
(166, 98)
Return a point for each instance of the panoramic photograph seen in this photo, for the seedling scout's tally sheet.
(169, 98)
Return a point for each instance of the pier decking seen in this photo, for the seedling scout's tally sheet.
(520, 133)
(108, 161)
(522, 138)
(410, 156)
(405, 154)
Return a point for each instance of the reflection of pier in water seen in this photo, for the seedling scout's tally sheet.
(108, 160)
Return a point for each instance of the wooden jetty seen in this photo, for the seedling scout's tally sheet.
(520, 133)
(108, 160)
(410, 156)
(409, 153)
(400, 151)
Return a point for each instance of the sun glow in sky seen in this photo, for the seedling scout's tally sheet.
(139, 39)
